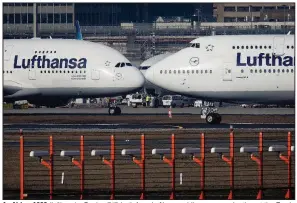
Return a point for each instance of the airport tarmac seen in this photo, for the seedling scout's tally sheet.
(34, 127)
(150, 111)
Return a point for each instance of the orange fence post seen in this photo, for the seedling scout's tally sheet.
(171, 163)
(230, 161)
(82, 163)
(49, 165)
(259, 161)
(288, 160)
(201, 162)
(21, 165)
(111, 164)
(141, 164)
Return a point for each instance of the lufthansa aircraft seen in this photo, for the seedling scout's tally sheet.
(52, 71)
(240, 68)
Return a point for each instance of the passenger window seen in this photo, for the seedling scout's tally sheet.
(184, 71)
(283, 70)
(292, 47)
(53, 71)
(269, 71)
(10, 71)
(51, 52)
(178, 71)
(288, 71)
(197, 71)
(242, 47)
(210, 71)
(237, 47)
(260, 47)
(273, 70)
(205, 71)
(278, 70)
(233, 47)
(256, 47)
(48, 71)
(174, 71)
(252, 47)
(188, 71)
(201, 71)
(292, 70)
(260, 71)
(57, 71)
(247, 47)
(160, 71)
(169, 71)
(40, 71)
(242, 70)
(269, 47)
(193, 71)
(165, 71)
(251, 70)
(264, 70)
(265, 47)
(256, 70)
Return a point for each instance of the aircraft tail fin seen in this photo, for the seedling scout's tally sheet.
(78, 31)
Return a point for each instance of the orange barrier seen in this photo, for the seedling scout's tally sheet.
(170, 161)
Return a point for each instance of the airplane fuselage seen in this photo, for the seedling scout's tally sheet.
(255, 68)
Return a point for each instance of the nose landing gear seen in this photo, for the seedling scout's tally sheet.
(210, 115)
(114, 110)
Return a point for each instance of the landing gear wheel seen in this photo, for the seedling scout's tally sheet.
(111, 111)
(114, 111)
(118, 111)
(213, 118)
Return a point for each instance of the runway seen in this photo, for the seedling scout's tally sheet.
(36, 127)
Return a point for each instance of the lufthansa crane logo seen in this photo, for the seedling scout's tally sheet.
(119, 76)
(194, 61)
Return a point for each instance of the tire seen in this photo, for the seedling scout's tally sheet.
(118, 111)
(112, 111)
(211, 118)
(134, 105)
(218, 118)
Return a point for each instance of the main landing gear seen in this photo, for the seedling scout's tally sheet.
(211, 115)
(114, 110)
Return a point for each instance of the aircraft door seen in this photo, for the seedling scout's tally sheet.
(278, 45)
(32, 74)
(7, 52)
(95, 74)
(227, 72)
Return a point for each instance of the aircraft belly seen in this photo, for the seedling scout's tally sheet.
(256, 96)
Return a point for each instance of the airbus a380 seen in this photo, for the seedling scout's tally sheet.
(240, 68)
(52, 71)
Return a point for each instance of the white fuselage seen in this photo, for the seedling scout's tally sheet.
(65, 68)
(256, 68)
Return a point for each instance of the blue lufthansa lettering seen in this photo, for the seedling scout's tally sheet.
(265, 60)
(44, 62)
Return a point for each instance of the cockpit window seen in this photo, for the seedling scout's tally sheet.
(144, 67)
(122, 64)
(195, 45)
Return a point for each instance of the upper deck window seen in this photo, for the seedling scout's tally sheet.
(195, 45)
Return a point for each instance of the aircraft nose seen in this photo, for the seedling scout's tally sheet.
(138, 79)
(149, 74)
